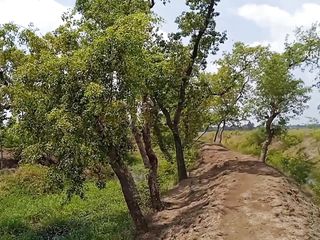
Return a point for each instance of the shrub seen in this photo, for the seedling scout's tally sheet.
(276, 158)
(316, 135)
(298, 167)
(191, 156)
(167, 175)
(248, 142)
(27, 179)
(290, 140)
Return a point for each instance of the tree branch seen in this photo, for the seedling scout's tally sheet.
(194, 55)
(151, 3)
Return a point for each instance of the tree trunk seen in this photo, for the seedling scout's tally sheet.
(217, 132)
(174, 127)
(268, 141)
(182, 170)
(144, 142)
(264, 150)
(138, 138)
(153, 170)
(222, 130)
(129, 190)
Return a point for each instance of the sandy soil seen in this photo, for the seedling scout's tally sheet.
(231, 196)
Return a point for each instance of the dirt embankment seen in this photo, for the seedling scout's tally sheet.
(235, 197)
(7, 159)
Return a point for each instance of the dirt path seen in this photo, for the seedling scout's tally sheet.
(235, 197)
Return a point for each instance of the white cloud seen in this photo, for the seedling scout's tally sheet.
(44, 14)
(279, 22)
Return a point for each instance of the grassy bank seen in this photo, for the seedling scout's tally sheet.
(27, 212)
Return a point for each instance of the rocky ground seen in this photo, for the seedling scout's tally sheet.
(231, 196)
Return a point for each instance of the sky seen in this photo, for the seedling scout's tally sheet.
(253, 22)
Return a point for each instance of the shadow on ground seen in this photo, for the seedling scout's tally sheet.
(189, 200)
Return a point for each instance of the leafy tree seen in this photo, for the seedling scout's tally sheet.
(73, 90)
(175, 64)
(232, 85)
(278, 96)
(71, 94)
(141, 128)
(304, 51)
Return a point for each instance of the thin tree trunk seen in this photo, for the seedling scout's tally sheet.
(139, 141)
(268, 141)
(129, 190)
(128, 186)
(153, 170)
(150, 161)
(204, 132)
(174, 127)
(221, 131)
(182, 170)
(217, 133)
(144, 142)
(264, 150)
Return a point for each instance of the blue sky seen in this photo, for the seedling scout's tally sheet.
(251, 21)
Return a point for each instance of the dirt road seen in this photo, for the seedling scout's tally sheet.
(230, 196)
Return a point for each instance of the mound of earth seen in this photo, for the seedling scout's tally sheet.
(7, 159)
(235, 197)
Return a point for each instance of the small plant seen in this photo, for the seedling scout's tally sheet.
(290, 140)
(248, 142)
(28, 179)
(167, 175)
(298, 167)
(316, 135)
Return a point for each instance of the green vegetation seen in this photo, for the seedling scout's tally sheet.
(33, 209)
(106, 97)
(316, 134)
(29, 211)
(104, 81)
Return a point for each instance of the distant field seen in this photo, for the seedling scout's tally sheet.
(296, 140)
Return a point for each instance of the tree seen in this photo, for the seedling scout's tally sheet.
(72, 91)
(304, 51)
(278, 96)
(71, 94)
(232, 85)
(143, 140)
(175, 64)
(226, 107)
(97, 17)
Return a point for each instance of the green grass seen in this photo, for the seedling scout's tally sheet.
(316, 134)
(247, 142)
(31, 209)
(33, 215)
